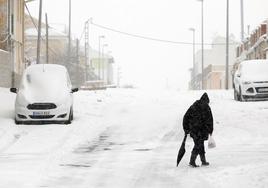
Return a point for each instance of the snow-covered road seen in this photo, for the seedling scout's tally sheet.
(130, 138)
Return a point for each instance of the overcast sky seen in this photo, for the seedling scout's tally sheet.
(145, 62)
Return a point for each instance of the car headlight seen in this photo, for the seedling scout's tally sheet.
(246, 82)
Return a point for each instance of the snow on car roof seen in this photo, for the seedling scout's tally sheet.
(45, 67)
(45, 79)
(255, 66)
(250, 62)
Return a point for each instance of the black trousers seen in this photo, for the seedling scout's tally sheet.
(199, 147)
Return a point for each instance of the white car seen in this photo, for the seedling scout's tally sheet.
(45, 95)
(251, 80)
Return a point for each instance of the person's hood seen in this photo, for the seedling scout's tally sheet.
(204, 98)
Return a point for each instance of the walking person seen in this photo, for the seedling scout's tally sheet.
(198, 122)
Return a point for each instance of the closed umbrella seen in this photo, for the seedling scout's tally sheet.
(182, 150)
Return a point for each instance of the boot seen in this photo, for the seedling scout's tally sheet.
(203, 160)
(192, 160)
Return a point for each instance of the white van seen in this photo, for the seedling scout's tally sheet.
(45, 95)
(251, 80)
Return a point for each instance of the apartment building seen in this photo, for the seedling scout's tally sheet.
(255, 46)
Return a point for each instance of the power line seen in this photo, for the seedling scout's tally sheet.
(152, 38)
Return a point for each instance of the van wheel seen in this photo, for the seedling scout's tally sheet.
(69, 121)
(17, 122)
(241, 98)
(235, 95)
(71, 114)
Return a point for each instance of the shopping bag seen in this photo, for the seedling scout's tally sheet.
(211, 142)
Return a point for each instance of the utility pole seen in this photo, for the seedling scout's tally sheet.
(77, 62)
(103, 46)
(118, 75)
(10, 42)
(227, 46)
(77, 50)
(242, 20)
(99, 62)
(202, 43)
(193, 72)
(107, 73)
(86, 47)
(39, 32)
(46, 39)
(69, 33)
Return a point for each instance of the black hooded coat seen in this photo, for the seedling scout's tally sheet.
(198, 119)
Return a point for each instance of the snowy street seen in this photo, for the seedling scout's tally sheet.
(130, 138)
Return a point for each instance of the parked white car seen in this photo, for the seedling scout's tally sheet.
(251, 80)
(45, 95)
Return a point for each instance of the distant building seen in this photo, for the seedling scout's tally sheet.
(106, 66)
(214, 65)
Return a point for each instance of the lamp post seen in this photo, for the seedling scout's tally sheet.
(242, 20)
(39, 32)
(69, 33)
(103, 46)
(227, 46)
(202, 44)
(109, 68)
(99, 62)
(193, 72)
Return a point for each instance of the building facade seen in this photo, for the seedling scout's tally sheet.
(11, 41)
(102, 66)
(214, 65)
(255, 46)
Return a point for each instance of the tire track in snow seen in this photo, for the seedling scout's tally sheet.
(10, 139)
(79, 159)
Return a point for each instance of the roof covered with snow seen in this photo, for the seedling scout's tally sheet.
(51, 32)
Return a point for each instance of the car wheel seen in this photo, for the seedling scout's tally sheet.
(241, 98)
(235, 95)
(17, 122)
(69, 121)
(72, 114)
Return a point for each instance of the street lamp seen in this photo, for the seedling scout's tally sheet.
(242, 20)
(227, 46)
(99, 62)
(202, 43)
(103, 46)
(69, 32)
(193, 72)
(39, 32)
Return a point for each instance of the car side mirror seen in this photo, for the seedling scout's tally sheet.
(13, 90)
(74, 90)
